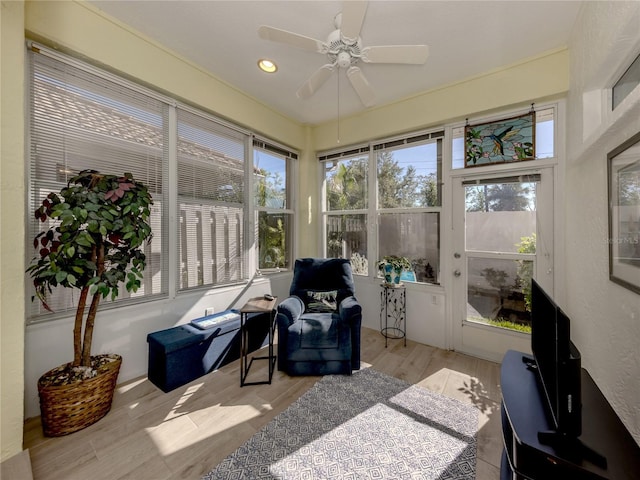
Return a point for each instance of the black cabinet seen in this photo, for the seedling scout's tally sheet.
(524, 414)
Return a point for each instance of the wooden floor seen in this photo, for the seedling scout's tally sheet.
(149, 434)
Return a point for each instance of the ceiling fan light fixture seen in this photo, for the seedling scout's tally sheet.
(267, 65)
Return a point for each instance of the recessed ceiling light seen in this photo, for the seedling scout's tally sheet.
(267, 66)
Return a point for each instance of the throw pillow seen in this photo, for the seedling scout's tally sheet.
(322, 302)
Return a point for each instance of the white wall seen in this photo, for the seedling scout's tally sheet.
(605, 316)
(425, 319)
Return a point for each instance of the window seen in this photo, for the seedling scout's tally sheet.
(80, 120)
(272, 167)
(406, 178)
(84, 118)
(346, 200)
(409, 179)
(627, 83)
(211, 161)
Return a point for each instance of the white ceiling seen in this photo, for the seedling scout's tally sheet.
(465, 38)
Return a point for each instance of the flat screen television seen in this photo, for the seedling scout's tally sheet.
(557, 363)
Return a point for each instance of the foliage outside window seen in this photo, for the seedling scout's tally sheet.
(274, 217)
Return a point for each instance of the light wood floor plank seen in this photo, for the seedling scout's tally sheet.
(149, 434)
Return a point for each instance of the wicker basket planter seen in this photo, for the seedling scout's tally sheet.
(68, 408)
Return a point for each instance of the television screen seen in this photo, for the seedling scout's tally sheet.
(544, 343)
(557, 361)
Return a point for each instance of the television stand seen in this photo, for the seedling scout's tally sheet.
(571, 448)
(528, 455)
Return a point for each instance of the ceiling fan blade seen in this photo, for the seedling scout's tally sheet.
(362, 87)
(411, 54)
(353, 12)
(316, 80)
(290, 38)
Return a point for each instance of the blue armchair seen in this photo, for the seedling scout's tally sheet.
(319, 324)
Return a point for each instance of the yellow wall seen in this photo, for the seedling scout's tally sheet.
(519, 84)
(12, 248)
(82, 29)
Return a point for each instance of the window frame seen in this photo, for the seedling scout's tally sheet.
(338, 156)
(438, 137)
(290, 157)
(632, 66)
(372, 211)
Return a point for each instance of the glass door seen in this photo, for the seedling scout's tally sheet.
(503, 238)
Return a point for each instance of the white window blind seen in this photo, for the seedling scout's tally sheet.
(211, 197)
(80, 120)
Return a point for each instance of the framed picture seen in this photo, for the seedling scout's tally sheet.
(508, 140)
(624, 214)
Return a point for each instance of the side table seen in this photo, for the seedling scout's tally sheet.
(393, 312)
(256, 305)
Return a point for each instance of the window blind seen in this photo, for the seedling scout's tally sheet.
(80, 120)
(211, 197)
(531, 178)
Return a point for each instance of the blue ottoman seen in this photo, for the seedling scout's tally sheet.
(181, 354)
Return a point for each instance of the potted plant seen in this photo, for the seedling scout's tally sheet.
(99, 224)
(391, 268)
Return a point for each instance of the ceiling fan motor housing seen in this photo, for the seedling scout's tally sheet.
(342, 54)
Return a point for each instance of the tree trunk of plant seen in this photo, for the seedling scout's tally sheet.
(88, 330)
(93, 309)
(77, 328)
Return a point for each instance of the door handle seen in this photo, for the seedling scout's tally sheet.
(456, 273)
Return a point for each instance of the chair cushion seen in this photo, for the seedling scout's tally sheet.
(319, 330)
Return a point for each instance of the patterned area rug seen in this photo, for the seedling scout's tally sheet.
(365, 426)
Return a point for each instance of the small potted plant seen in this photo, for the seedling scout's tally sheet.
(99, 224)
(391, 268)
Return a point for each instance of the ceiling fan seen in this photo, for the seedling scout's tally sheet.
(344, 49)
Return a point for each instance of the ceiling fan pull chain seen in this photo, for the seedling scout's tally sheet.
(338, 105)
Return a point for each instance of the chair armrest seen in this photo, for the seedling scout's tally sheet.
(351, 312)
(289, 310)
(349, 308)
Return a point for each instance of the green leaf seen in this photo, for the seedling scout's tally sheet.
(71, 250)
(61, 276)
(82, 240)
(93, 226)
